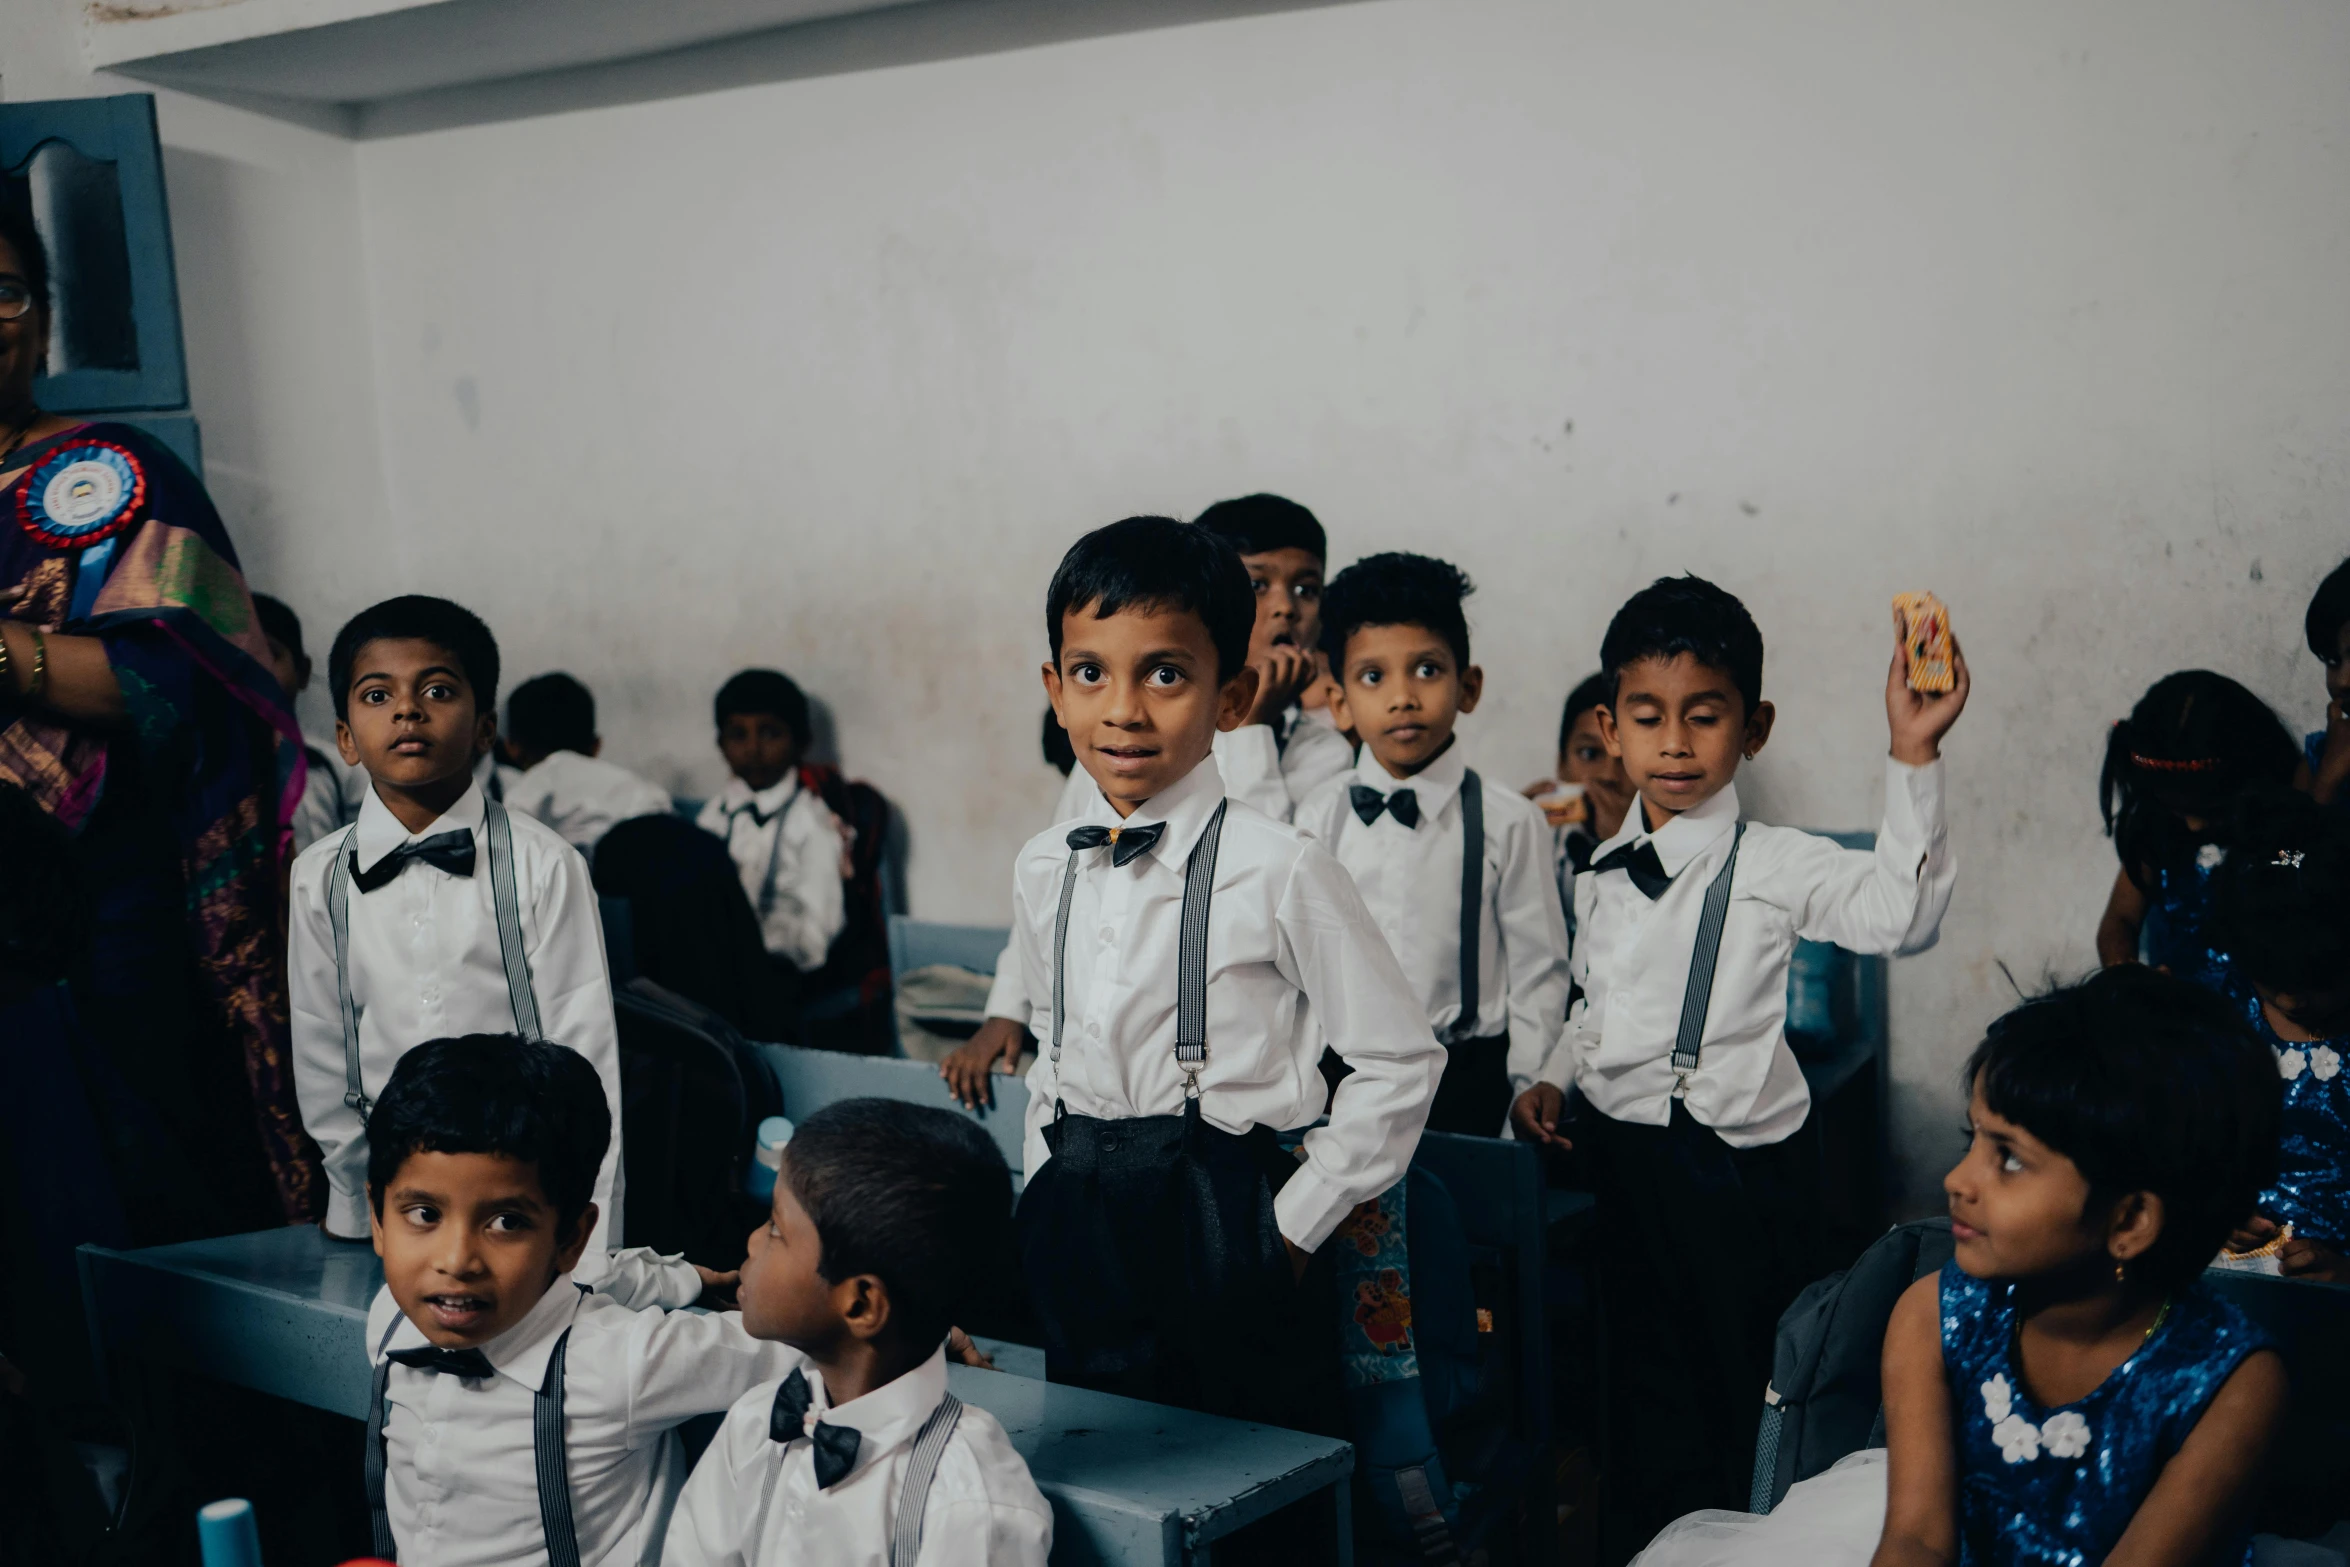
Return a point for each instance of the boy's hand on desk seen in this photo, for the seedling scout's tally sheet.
(718, 1288)
(1919, 719)
(2307, 1259)
(993, 1049)
(961, 1349)
(1535, 1116)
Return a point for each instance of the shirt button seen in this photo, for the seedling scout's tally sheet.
(1095, 1029)
(1108, 935)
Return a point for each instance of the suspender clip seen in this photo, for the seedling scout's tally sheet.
(1191, 1083)
(360, 1102)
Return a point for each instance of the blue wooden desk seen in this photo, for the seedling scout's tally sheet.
(285, 1311)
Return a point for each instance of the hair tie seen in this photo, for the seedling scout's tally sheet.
(2159, 764)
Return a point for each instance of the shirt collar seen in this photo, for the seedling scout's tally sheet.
(738, 797)
(1433, 785)
(1184, 806)
(380, 832)
(521, 1353)
(1683, 838)
(892, 1413)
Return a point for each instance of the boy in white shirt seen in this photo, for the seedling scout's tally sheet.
(1685, 925)
(517, 1418)
(1406, 819)
(1190, 954)
(885, 1217)
(785, 841)
(438, 912)
(560, 775)
(330, 792)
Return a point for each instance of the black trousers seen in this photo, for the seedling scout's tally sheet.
(1473, 1096)
(1156, 1271)
(1701, 1247)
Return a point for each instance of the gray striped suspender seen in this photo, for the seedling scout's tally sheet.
(499, 829)
(1697, 1000)
(1191, 961)
(1472, 898)
(547, 1449)
(930, 1444)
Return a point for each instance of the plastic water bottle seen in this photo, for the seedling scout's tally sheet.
(767, 1159)
(225, 1531)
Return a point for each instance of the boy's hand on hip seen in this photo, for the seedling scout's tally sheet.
(993, 1049)
(1298, 1258)
(1919, 719)
(1535, 1116)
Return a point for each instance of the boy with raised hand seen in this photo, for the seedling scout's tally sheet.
(1458, 875)
(438, 912)
(1685, 925)
(1190, 954)
(887, 1217)
(517, 1418)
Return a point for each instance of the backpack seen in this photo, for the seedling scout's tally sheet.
(692, 1094)
(846, 1002)
(690, 927)
(1826, 1395)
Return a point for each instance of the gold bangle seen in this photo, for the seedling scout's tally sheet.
(32, 690)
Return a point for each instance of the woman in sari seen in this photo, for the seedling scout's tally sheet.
(137, 709)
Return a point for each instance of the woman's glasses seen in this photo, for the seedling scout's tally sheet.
(16, 298)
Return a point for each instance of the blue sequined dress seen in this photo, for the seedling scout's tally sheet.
(2312, 1189)
(2179, 932)
(2056, 1487)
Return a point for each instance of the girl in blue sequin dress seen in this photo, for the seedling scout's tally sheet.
(2173, 771)
(2066, 1391)
(2285, 906)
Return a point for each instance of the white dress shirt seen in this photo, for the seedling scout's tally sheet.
(1632, 956)
(754, 1501)
(1410, 878)
(1293, 956)
(460, 1477)
(329, 800)
(583, 797)
(425, 965)
(786, 844)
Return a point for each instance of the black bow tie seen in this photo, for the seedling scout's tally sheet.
(836, 1446)
(451, 851)
(1639, 861)
(470, 1363)
(1125, 842)
(1369, 802)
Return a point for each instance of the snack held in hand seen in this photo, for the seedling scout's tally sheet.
(1924, 624)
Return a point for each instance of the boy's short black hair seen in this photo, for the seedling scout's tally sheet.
(2147, 1083)
(915, 1195)
(1257, 524)
(2329, 609)
(1395, 589)
(528, 1099)
(1677, 615)
(552, 713)
(2284, 894)
(453, 628)
(280, 624)
(45, 911)
(768, 691)
(1158, 563)
(1595, 691)
(2192, 746)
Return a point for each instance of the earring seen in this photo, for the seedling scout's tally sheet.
(2121, 1273)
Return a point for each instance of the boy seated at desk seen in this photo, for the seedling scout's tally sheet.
(563, 779)
(516, 1417)
(885, 1217)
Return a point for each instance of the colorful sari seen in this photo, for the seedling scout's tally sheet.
(181, 813)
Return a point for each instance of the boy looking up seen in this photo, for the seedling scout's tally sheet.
(438, 912)
(565, 782)
(1190, 954)
(511, 1407)
(785, 841)
(886, 1217)
(1484, 939)
(1692, 1089)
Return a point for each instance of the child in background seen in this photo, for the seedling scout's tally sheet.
(784, 839)
(331, 792)
(886, 1218)
(438, 912)
(483, 1155)
(2066, 1389)
(563, 780)
(1679, 1044)
(2284, 905)
(1581, 822)
(1492, 977)
(2173, 769)
(2325, 765)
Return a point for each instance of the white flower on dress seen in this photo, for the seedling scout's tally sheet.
(2018, 1439)
(2291, 1064)
(2211, 856)
(2324, 1062)
(1998, 1399)
(2066, 1434)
